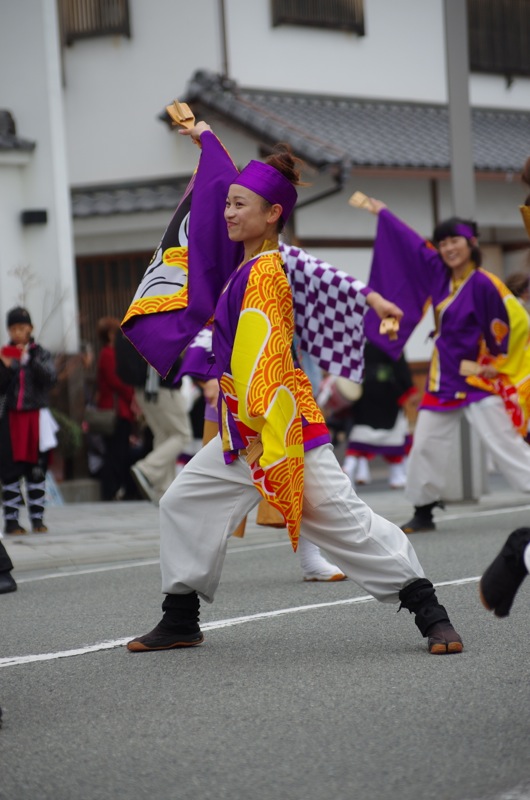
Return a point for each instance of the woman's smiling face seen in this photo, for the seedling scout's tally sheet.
(246, 214)
(455, 251)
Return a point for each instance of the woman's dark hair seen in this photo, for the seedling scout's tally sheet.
(451, 227)
(283, 159)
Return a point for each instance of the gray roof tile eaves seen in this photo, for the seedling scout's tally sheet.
(131, 199)
(370, 133)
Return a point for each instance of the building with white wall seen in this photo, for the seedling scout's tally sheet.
(36, 232)
(92, 107)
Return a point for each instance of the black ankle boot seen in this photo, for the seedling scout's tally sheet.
(36, 486)
(181, 612)
(422, 519)
(179, 627)
(420, 599)
(431, 617)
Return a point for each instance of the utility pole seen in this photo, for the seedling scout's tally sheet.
(457, 66)
(462, 183)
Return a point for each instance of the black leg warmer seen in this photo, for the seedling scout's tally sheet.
(181, 612)
(12, 499)
(36, 486)
(420, 599)
(425, 512)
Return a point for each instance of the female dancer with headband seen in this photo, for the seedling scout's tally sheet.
(273, 441)
(479, 324)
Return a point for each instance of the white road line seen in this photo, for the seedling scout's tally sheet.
(493, 512)
(145, 562)
(88, 570)
(13, 661)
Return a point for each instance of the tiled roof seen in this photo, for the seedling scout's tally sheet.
(328, 130)
(128, 198)
(366, 133)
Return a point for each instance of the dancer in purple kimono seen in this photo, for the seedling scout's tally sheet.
(477, 320)
(273, 441)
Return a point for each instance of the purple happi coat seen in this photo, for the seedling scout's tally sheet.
(473, 316)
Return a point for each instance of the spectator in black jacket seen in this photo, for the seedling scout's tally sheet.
(27, 430)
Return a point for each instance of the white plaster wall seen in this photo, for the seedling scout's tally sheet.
(116, 87)
(401, 56)
(334, 217)
(498, 204)
(391, 60)
(31, 89)
(492, 91)
(12, 247)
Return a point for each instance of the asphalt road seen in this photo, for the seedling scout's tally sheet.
(301, 690)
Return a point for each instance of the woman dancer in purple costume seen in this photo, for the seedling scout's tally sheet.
(472, 308)
(217, 488)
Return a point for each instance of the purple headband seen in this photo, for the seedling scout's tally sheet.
(464, 230)
(270, 184)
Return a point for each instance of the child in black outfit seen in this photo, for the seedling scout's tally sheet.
(27, 373)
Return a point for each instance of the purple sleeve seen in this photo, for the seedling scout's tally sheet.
(210, 413)
(164, 327)
(403, 269)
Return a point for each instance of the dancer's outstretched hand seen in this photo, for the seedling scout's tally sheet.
(383, 307)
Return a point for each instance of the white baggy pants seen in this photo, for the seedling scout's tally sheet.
(432, 448)
(208, 499)
(169, 420)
